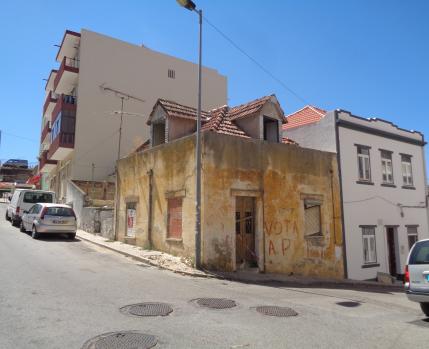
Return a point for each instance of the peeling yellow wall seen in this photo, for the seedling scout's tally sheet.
(279, 176)
(173, 170)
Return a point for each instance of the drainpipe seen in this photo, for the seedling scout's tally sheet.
(149, 214)
(337, 140)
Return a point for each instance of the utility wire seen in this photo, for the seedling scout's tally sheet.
(259, 65)
(21, 137)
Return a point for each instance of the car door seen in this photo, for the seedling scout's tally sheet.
(27, 218)
(418, 267)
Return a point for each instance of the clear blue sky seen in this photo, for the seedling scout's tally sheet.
(368, 57)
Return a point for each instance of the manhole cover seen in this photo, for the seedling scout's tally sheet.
(276, 311)
(121, 340)
(147, 309)
(216, 303)
(349, 304)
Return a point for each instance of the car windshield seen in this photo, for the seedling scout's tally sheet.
(34, 197)
(59, 211)
(420, 254)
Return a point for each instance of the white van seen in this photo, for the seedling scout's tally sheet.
(23, 199)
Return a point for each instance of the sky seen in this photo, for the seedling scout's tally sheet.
(368, 57)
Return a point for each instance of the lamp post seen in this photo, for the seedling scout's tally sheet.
(190, 5)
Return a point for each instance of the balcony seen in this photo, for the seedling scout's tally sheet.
(66, 78)
(69, 46)
(45, 132)
(63, 128)
(64, 103)
(48, 107)
(46, 165)
(50, 81)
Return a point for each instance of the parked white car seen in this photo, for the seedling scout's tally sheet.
(23, 199)
(49, 218)
(416, 279)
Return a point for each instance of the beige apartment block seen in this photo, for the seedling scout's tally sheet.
(81, 119)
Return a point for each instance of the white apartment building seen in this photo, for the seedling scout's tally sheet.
(383, 183)
(96, 74)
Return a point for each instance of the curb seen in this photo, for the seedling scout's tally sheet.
(142, 259)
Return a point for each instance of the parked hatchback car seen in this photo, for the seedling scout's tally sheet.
(416, 279)
(23, 199)
(49, 218)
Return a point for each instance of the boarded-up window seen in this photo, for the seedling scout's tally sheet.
(131, 219)
(313, 226)
(175, 218)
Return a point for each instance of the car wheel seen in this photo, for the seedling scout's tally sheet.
(22, 228)
(425, 308)
(34, 233)
(14, 221)
(7, 217)
(72, 236)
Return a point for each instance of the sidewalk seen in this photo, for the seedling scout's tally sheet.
(181, 266)
(155, 258)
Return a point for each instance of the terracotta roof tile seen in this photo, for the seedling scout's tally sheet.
(287, 140)
(145, 145)
(248, 109)
(304, 116)
(174, 109)
(220, 122)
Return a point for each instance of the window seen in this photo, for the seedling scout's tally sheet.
(364, 164)
(407, 171)
(174, 218)
(35, 197)
(56, 127)
(60, 211)
(131, 219)
(420, 254)
(271, 130)
(171, 73)
(386, 167)
(369, 250)
(412, 235)
(312, 221)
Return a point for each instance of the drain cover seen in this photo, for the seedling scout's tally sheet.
(147, 309)
(349, 304)
(276, 311)
(121, 340)
(216, 303)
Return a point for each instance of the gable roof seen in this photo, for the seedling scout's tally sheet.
(253, 107)
(307, 115)
(173, 109)
(220, 120)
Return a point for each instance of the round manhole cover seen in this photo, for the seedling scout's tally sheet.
(147, 309)
(349, 304)
(276, 311)
(121, 340)
(216, 303)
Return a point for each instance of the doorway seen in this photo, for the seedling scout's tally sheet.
(245, 232)
(391, 250)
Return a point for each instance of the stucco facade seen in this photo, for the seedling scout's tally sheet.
(388, 209)
(279, 178)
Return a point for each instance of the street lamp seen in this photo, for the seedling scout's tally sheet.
(190, 5)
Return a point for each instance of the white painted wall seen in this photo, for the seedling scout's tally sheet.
(137, 71)
(378, 205)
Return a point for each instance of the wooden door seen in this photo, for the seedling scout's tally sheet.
(391, 250)
(245, 231)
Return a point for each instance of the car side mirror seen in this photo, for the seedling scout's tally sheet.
(9, 198)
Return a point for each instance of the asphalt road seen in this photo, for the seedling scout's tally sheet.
(56, 293)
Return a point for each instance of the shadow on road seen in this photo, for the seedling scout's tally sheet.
(54, 238)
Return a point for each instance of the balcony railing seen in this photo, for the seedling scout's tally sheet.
(62, 140)
(67, 64)
(43, 161)
(64, 102)
(50, 98)
(45, 131)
